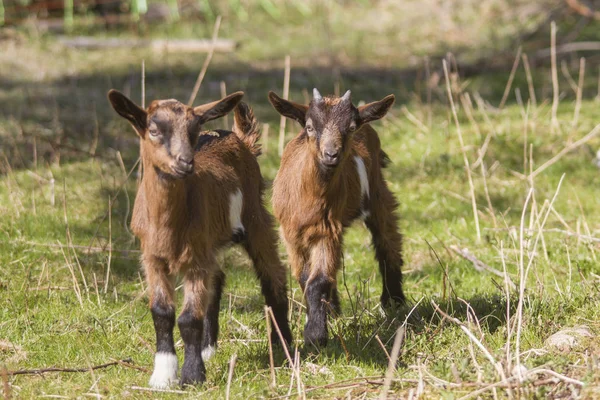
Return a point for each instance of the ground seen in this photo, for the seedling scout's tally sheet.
(72, 294)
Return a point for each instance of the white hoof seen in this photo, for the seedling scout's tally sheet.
(165, 371)
(208, 352)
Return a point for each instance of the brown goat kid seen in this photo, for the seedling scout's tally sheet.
(199, 193)
(330, 175)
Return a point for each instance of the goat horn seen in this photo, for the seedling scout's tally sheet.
(316, 95)
(346, 96)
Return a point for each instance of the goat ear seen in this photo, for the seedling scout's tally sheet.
(375, 110)
(127, 109)
(289, 109)
(217, 109)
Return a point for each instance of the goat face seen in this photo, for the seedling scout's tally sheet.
(169, 129)
(329, 122)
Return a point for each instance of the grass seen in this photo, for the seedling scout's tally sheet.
(385, 33)
(56, 226)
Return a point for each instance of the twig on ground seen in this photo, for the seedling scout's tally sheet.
(480, 265)
(145, 389)
(126, 362)
(88, 249)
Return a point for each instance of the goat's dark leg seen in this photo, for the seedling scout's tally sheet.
(162, 307)
(321, 290)
(198, 287)
(211, 321)
(261, 244)
(387, 240)
(302, 278)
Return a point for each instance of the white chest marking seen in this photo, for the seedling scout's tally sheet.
(165, 370)
(364, 184)
(236, 201)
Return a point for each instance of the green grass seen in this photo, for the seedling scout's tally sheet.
(54, 225)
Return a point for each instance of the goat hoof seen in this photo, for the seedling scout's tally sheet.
(391, 301)
(315, 337)
(191, 381)
(192, 373)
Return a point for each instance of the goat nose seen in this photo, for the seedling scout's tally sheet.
(185, 158)
(332, 154)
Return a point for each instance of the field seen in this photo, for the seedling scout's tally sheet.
(486, 289)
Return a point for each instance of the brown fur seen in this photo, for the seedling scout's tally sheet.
(246, 127)
(184, 222)
(310, 206)
(314, 202)
(182, 210)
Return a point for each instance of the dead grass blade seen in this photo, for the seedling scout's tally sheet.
(462, 149)
(389, 374)
(230, 375)
(286, 95)
(510, 78)
(564, 151)
(555, 126)
(211, 51)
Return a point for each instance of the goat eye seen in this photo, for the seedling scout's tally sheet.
(154, 132)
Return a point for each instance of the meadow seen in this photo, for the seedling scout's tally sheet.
(498, 205)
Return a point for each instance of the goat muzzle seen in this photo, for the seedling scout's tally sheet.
(182, 169)
(331, 158)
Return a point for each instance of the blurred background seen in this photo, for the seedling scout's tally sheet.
(58, 58)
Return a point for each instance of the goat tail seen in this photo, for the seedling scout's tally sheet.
(245, 126)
